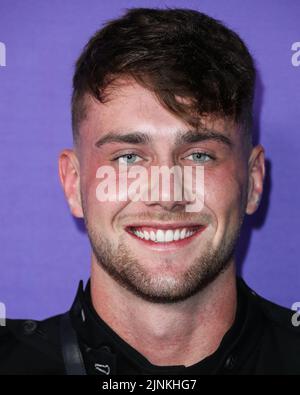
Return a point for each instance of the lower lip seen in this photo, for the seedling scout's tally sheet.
(168, 245)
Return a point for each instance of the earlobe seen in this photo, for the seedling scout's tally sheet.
(256, 178)
(69, 175)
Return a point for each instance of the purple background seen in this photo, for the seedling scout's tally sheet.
(44, 251)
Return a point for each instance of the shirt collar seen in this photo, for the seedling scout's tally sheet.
(99, 340)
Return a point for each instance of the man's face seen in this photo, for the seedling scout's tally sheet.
(159, 271)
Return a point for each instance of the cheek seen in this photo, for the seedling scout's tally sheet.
(101, 212)
(224, 192)
(88, 183)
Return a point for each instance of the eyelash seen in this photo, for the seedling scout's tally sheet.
(124, 155)
(203, 153)
(193, 153)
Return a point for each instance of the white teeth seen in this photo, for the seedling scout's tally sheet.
(161, 236)
(140, 234)
(169, 235)
(182, 234)
(152, 235)
(176, 234)
(147, 235)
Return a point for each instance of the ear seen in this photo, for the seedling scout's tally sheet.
(69, 175)
(256, 175)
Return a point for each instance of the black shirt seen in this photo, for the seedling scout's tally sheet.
(262, 340)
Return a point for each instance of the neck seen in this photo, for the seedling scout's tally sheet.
(182, 333)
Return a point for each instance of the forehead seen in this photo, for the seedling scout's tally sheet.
(131, 107)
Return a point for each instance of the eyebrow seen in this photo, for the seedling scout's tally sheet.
(196, 136)
(129, 138)
(182, 137)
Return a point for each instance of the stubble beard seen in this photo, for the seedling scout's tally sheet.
(165, 287)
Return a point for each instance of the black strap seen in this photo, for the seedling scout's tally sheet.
(72, 356)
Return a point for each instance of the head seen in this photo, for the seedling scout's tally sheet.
(164, 88)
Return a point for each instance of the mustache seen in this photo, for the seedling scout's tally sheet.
(166, 217)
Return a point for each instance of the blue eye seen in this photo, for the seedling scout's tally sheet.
(198, 157)
(127, 159)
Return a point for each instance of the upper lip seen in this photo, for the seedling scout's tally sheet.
(164, 225)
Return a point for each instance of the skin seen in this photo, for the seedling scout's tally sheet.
(172, 319)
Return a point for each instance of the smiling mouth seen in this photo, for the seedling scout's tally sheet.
(166, 236)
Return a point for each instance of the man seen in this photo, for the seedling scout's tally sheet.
(161, 88)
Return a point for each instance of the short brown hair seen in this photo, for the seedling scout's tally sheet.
(174, 53)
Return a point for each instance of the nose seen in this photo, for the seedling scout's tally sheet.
(166, 205)
(167, 190)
